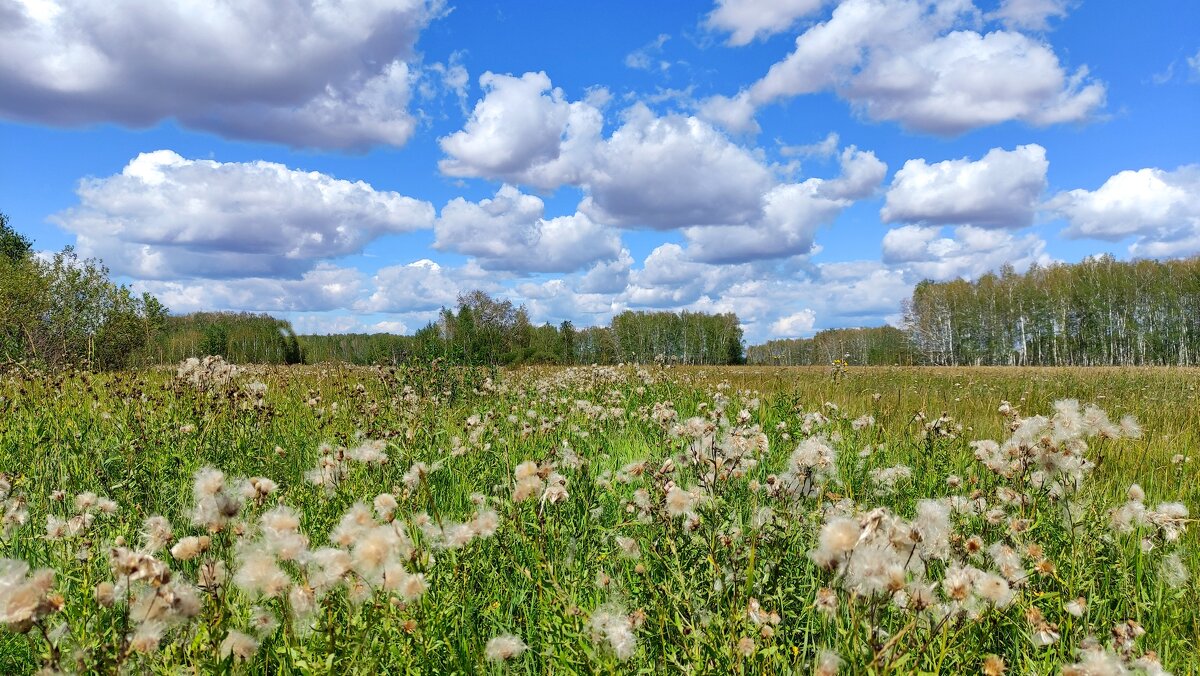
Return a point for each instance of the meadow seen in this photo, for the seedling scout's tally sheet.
(435, 519)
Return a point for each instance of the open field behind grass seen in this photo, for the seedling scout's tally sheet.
(600, 520)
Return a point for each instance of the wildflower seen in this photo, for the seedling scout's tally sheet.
(933, 523)
(628, 547)
(995, 589)
(679, 502)
(147, 637)
(485, 523)
(190, 547)
(504, 647)
(528, 482)
(827, 602)
(412, 587)
(263, 621)
(1095, 662)
(241, 646)
(212, 575)
(556, 489)
(993, 665)
(1174, 571)
(105, 594)
(208, 482)
(827, 664)
(385, 506)
(156, 533)
(837, 538)
(887, 478)
(1130, 428)
(260, 575)
(25, 600)
(1077, 607)
(745, 646)
(369, 453)
(614, 629)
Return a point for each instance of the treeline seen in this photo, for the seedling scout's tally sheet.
(485, 330)
(65, 310)
(239, 337)
(480, 331)
(1097, 312)
(358, 348)
(881, 345)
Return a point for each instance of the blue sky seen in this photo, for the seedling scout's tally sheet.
(353, 166)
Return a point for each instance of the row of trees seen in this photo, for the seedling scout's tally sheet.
(485, 330)
(65, 309)
(1097, 312)
(880, 345)
(240, 337)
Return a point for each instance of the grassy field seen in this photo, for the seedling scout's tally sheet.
(601, 520)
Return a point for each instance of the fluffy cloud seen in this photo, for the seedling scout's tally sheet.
(746, 20)
(922, 64)
(794, 325)
(608, 276)
(1160, 208)
(326, 287)
(507, 232)
(1030, 14)
(524, 131)
(1000, 190)
(421, 286)
(657, 172)
(791, 215)
(672, 171)
(167, 217)
(328, 74)
(971, 252)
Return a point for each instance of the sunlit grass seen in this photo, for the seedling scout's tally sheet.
(621, 573)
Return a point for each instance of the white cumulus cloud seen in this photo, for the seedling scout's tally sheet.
(1000, 190)
(794, 325)
(421, 286)
(508, 232)
(524, 130)
(746, 20)
(168, 217)
(1160, 208)
(333, 74)
(925, 65)
(923, 251)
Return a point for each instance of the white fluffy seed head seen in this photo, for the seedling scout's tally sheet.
(504, 647)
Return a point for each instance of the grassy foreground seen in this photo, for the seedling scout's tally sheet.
(600, 520)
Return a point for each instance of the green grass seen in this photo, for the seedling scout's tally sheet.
(549, 569)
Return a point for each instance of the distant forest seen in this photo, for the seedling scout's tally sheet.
(485, 330)
(1098, 312)
(62, 310)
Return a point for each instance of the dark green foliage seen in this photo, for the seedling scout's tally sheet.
(67, 310)
(216, 340)
(14, 246)
(359, 348)
(239, 337)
